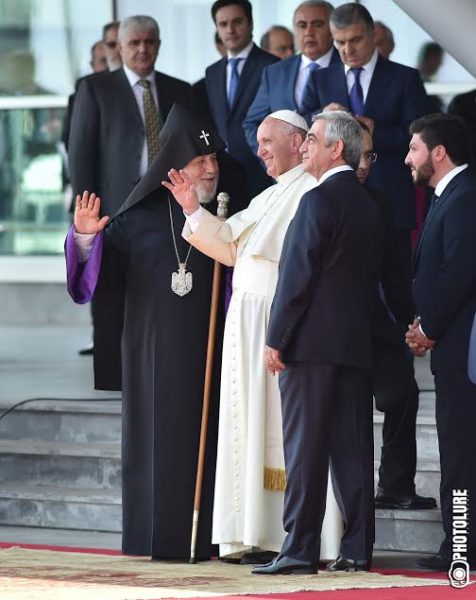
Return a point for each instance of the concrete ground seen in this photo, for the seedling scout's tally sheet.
(43, 361)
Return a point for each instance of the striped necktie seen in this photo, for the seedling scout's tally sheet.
(152, 123)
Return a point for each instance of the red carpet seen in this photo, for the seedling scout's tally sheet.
(421, 593)
(443, 592)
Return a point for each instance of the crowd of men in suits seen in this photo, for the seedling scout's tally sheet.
(113, 138)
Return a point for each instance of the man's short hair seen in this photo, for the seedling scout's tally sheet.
(449, 131)
(386, 29)
(264, 42)
(93, 48)
(138, 23)
(341, 125)
(351, 14)
(245, 5)
(312, 4)
(108, 26)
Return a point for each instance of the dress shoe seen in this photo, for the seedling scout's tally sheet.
(258, 558)
(403, 502)
(285, 565)
(87, 350)
(435, 562)
(348, 564)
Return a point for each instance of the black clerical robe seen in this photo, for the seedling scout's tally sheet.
(164, 344)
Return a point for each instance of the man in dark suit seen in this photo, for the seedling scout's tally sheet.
(108, 145)
(114, 134)
(395, 389)
(319, 340)
(386, 95)
(282, 84)
(444, 288)
(232, 83)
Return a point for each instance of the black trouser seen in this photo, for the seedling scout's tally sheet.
(327, 420)
(456, 428)
(396, 395)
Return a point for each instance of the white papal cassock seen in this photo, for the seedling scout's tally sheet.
(250, 475)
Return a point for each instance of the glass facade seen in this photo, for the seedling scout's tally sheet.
(44, 47)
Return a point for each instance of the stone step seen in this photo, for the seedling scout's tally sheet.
(60, 507)
(64, 421)
(53, 306)
(80, 465)
(408, 530)
(427, 478)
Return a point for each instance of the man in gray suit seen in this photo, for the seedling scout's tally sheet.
(114, 135)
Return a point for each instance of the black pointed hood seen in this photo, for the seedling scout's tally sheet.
(184, 136)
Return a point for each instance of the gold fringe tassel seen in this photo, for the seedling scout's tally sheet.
(274, 479)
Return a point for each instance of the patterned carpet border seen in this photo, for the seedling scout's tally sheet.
(53, 575)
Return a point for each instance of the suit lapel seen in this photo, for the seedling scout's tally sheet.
(335, 58)
(164, 95)
(246, 74)
(220, 91)
(291, 77)
(442, 200)
(339, 85)
(381, 79)
(128, 96)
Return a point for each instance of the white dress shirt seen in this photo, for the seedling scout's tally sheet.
(365, 75)
(333, 171)
(244, 55)
(304, 72)
(138, 91)
(444, 181)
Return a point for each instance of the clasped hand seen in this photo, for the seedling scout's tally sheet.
(417, 341)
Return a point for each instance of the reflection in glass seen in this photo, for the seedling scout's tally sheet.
(33, 219)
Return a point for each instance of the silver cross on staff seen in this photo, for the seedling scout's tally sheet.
(205, 137)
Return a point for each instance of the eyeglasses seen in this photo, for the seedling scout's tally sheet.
(111, 44)
(370, 156)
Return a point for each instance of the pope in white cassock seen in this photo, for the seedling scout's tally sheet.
(250, 477)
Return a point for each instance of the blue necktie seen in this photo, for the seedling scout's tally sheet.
(235, 79)
(356, 96)
(311, 67)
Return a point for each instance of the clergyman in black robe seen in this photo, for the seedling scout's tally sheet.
(164, 343)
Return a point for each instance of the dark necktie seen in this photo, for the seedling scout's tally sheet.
(356, 96)
(234, 80)
(152, 123)
(433, 203)
(311, 67)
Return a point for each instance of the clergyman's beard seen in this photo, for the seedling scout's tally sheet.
(424, 172)
(206, 194)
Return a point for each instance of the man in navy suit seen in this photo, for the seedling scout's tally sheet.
(319, 341)
(444, 287)
(387, 96)
(282, 84)
(232, 83)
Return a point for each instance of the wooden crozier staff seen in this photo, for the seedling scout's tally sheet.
(223, 198)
